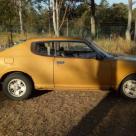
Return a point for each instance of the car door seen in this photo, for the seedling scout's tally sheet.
(76, 66)
(41, 64)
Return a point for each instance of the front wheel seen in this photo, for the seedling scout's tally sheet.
(128, 87)
(17, 86)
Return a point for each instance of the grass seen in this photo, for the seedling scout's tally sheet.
(117, 46)
(5, 37)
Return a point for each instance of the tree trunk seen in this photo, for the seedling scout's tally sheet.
(67, 27)
(93, 25)
(55, 17)
(20, 17)
(135, 32)
(128, 31)
(49, 17)
(57, 22)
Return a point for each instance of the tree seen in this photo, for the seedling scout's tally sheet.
(134, 16)
(93, 25)
(104, 3)
(59, 9)
(56, 15)
(92, 7)
(8, 17)
(20, 5)
(20, 16)
(128, 30)
(56, 7)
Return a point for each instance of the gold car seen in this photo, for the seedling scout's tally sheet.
(64, 63)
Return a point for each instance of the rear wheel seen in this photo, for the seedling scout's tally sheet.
(17, 86)
(128, 87)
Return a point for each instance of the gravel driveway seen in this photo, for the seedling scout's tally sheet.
(68, 113)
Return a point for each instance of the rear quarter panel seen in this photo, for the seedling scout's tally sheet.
(20, 58)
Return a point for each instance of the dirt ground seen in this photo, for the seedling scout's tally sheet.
(64, 113)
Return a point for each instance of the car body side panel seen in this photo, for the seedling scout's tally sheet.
(82, 73)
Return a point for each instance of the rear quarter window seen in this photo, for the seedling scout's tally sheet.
(42, 48)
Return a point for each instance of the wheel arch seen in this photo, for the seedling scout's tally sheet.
(19, 72)
(129, 75)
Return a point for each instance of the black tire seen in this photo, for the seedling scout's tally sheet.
(27, 83)
(124, 82)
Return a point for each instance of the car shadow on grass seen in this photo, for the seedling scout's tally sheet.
(38, 93)
(35, 94)
(100, 120)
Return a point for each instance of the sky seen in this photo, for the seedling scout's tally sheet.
(114, 1)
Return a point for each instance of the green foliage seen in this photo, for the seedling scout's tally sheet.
(37, 16)
(8, 14)
(104, 3)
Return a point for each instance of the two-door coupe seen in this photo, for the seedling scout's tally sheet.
(64, 63)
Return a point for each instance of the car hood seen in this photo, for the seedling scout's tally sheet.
(125, 57)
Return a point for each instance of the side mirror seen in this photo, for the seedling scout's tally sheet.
(99, 57)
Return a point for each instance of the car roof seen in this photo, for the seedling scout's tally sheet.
(55, 39)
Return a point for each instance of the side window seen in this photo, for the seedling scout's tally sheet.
(74, 49)
(80, 47)
(43, 48)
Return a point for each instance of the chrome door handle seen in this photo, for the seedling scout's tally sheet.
(60, 62)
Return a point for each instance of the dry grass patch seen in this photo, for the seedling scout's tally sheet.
(118, 46)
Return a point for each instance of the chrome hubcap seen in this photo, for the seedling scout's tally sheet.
(129, 88)
(17, 87)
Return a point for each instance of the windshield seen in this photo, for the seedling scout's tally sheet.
(99, 49)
